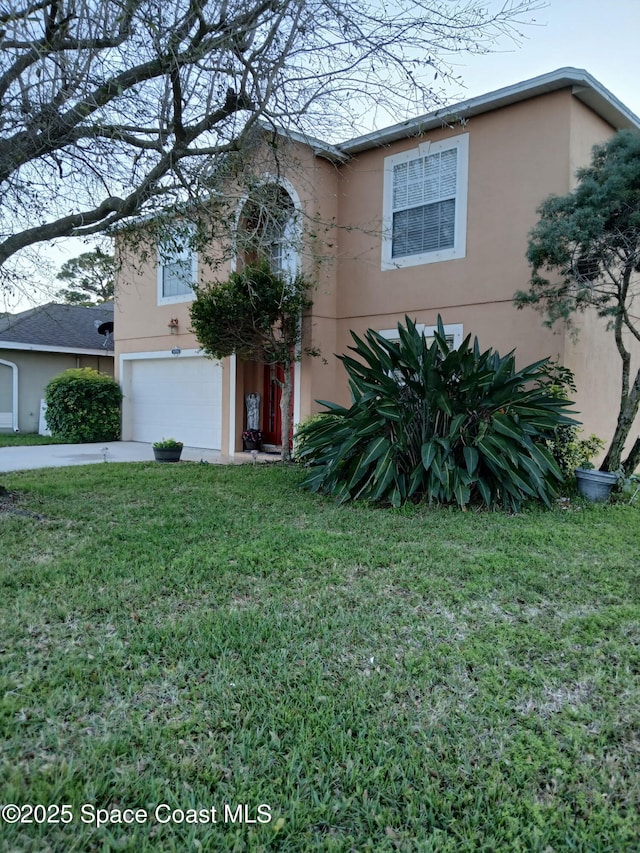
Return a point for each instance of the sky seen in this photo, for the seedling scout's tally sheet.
(600, 36)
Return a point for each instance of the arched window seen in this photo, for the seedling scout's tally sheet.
(268, 229)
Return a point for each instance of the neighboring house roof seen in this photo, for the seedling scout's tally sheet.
(58, 328)
(584, 87)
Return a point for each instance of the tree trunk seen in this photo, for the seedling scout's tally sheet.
(628, 412)
(285, 411)
(613, 459)
(633, 459)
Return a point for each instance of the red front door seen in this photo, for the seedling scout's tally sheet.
(271, 395)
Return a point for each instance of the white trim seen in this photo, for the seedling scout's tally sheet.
(455, 330)
(232, 403)
(48, 348)
(320, 148)
(584, 87)
(183, 297)
(297, 382)
(288, 187)
(459, 250)
(14, 389)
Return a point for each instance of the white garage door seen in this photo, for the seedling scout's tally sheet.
(177, 398)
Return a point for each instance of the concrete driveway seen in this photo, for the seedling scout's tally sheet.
(61, 455)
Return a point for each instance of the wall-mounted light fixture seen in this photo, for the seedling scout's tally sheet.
(173, 325)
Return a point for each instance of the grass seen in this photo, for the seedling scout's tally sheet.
(406, 680)
(25, 439)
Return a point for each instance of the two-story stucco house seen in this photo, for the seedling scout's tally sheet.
(427, 217)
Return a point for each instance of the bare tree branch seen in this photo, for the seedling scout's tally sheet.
(102, 100)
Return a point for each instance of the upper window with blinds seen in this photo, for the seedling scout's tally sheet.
(177, 267)
(425, 204)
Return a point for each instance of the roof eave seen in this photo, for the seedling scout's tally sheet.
(583, 86)
(319, 147)
(53, 348)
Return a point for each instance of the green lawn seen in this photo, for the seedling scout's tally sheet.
(409, 680)
(25, 439)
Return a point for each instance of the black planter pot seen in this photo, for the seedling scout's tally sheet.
(167, 454)
(250, 445)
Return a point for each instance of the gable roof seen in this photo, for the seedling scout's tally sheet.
(584, 87)
(58, 328)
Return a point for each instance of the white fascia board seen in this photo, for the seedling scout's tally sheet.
(320, 148)
(53, 349)
(584, 87)
(606, 105)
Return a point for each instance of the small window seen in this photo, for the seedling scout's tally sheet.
(452, 333)
(177, 269)
(425, 204)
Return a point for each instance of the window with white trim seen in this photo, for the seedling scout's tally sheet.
(177, 268)
(269, 230)
(452, 335)
(281, 243)
(425, 203)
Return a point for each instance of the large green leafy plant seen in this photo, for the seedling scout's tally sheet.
(455, 425)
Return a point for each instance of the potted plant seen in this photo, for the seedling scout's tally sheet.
(252, 439)
(593, 485)
(167, 450)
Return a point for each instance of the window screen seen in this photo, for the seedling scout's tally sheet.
(424, 204)
(177, 263)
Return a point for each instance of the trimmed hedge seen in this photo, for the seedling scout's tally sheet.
(83, 405)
